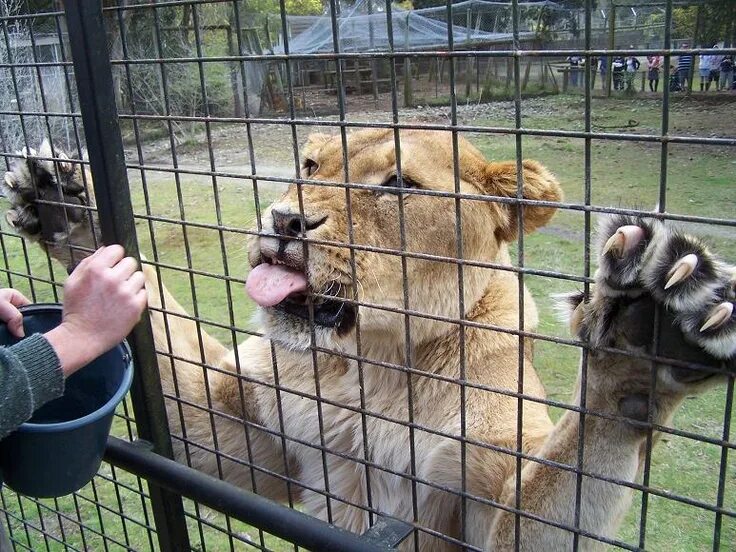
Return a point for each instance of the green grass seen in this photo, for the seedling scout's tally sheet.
(626, 174)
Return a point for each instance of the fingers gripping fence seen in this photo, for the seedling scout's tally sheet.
(391, 392)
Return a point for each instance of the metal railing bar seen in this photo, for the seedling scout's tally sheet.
(397, 54)
(431, 484)
(255, 510)
(231, 534)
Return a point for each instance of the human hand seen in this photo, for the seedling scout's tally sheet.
(10, 300)
(104, 298)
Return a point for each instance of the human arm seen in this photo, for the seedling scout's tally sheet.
(29, 370)
(30, 376)
(104, 298)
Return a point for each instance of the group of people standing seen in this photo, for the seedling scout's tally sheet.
(714, 69)
(623, 71)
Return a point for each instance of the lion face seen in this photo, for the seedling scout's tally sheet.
(363, 241)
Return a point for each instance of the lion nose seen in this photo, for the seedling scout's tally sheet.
(287, 224)
(291, 225)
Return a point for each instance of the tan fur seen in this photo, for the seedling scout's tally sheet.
(241, 404)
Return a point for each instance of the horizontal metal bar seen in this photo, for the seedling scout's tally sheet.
(278, 520)
(399, 54)
(509, 6)
(422, 192)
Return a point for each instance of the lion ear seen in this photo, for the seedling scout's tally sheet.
(314, 142)
(318, 138)
(538, 184)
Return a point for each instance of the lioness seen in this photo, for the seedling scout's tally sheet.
(415, 416)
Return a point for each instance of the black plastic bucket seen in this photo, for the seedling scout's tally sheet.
(59, 450)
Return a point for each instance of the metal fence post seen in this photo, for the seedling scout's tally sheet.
(93, 73)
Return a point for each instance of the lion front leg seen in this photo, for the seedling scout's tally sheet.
(52, 203)
(648, 274)
(213, 413)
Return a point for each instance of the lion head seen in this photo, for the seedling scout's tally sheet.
(325, 246)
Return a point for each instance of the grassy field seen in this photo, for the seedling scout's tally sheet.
(700, 182)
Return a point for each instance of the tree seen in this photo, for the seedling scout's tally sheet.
(21, 85)
(565, 18)
(715, 23)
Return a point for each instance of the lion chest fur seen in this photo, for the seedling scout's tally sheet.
(323, 437)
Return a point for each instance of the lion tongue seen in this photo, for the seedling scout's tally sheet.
(269, 284)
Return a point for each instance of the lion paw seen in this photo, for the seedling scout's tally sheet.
(646, 265)
(50, 203)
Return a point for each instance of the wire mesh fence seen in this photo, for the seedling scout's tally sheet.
(400, 359)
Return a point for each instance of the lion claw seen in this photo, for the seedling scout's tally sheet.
(11, 218)
(682, 270)
(9, 179)
(718, 316)
(624, 240)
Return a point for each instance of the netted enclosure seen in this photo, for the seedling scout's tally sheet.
(419, 279)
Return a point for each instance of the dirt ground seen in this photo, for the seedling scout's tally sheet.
(273, 136)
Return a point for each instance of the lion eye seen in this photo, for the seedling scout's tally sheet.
(309, 167)
(393, 182)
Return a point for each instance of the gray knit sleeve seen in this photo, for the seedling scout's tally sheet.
(30, 376)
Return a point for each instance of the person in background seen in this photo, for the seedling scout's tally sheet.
(715, 69)
(674, 83)
(104, 298)
(725, 78)
(703, 70)
(632, 67)
(617, 72)
(602, 68)
(708, 70)
(654, 63)
(684, 64)
(575, 62)
(593, 70)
